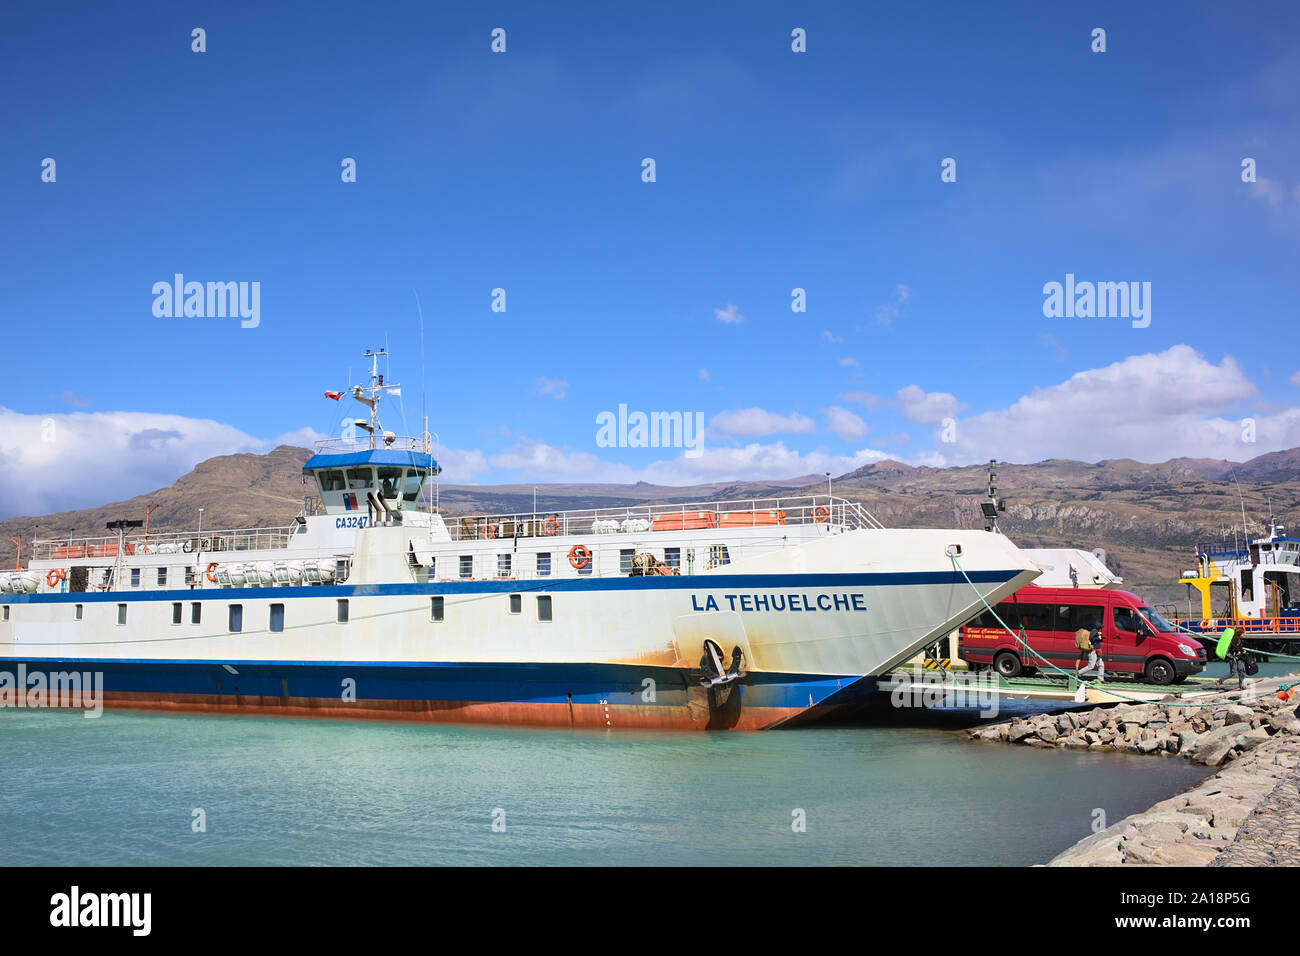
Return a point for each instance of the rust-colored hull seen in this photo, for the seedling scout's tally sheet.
(696, 715)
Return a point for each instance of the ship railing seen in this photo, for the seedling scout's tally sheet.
(161, 543)
(838, 513)
(400, 443)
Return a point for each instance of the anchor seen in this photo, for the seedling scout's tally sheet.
(712, 671)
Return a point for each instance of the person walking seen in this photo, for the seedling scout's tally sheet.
(1096, 664)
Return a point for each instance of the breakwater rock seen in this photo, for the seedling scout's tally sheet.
(1243, 815)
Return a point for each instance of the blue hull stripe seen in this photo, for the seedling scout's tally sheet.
(491, 682)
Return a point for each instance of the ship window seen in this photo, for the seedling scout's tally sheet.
(342, 615)
(196, 612)
(673, 557)
(330, 480)
(79, 611)
(135, 577)
(176, 612)
(467, 565)
(277, 617)
(191, 577)
(236, 618)
(516, 603)
(436, 608)
(543, 607)
(121, 614)
(358, 478)
(718, 555)
(625, 560)
(6, 613)
(390, 479)
(503, 565)
(162, 579)
(411, 485)
(543, 564)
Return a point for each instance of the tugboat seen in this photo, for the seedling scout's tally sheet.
(1254, 590)
(717, 615)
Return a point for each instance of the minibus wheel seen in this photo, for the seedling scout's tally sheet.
(1160, 671)
(1007, 664)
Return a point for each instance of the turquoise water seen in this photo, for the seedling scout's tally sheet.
(123, 788)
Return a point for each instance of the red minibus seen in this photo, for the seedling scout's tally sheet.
(1136, 641)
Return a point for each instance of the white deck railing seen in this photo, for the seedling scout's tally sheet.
(165, 542)
(694, 516)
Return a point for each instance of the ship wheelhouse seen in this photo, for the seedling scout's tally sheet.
(381, 483)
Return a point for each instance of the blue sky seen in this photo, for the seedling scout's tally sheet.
(775, 170)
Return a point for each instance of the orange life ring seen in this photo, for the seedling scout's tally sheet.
(579, 556)
(552, 526)
(212, 572)
(487, 531)
(55, 576)
(821, 514)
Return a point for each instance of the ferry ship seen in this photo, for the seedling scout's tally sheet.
(1256, 590)
(718, 615)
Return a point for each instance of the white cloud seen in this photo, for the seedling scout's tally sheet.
(830, 336)
(844, 424)
(730, 315)
(704, 375)
(922, 406)
(1149, 407)
(756, 462)
(849, 362)
(557, 387)
(59, 462)
(756, 422)
(902, 293)
(1295, 379)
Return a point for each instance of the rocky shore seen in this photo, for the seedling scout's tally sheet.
(1243, 815)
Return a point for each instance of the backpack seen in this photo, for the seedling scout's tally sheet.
(1081, 640)
(1252, 668)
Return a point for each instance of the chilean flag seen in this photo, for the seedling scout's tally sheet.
(334, 395)
(350, 501)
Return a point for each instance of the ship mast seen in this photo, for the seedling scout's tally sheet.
(369, 395)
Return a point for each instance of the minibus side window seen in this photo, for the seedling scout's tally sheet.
(1126, 620)
(1036, 617)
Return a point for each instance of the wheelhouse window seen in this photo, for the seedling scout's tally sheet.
(543, 607)
(411, 486)
(390, 482)
(543, 564)
(236, 618)
(467, 565)
(277, 617)
(177, 612)
(341, 614)
(436, 607)
(359, 478)
(331, 480)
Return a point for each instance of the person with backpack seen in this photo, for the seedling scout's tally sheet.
(1084, 646)
(1095, 662)
(1237, 657)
